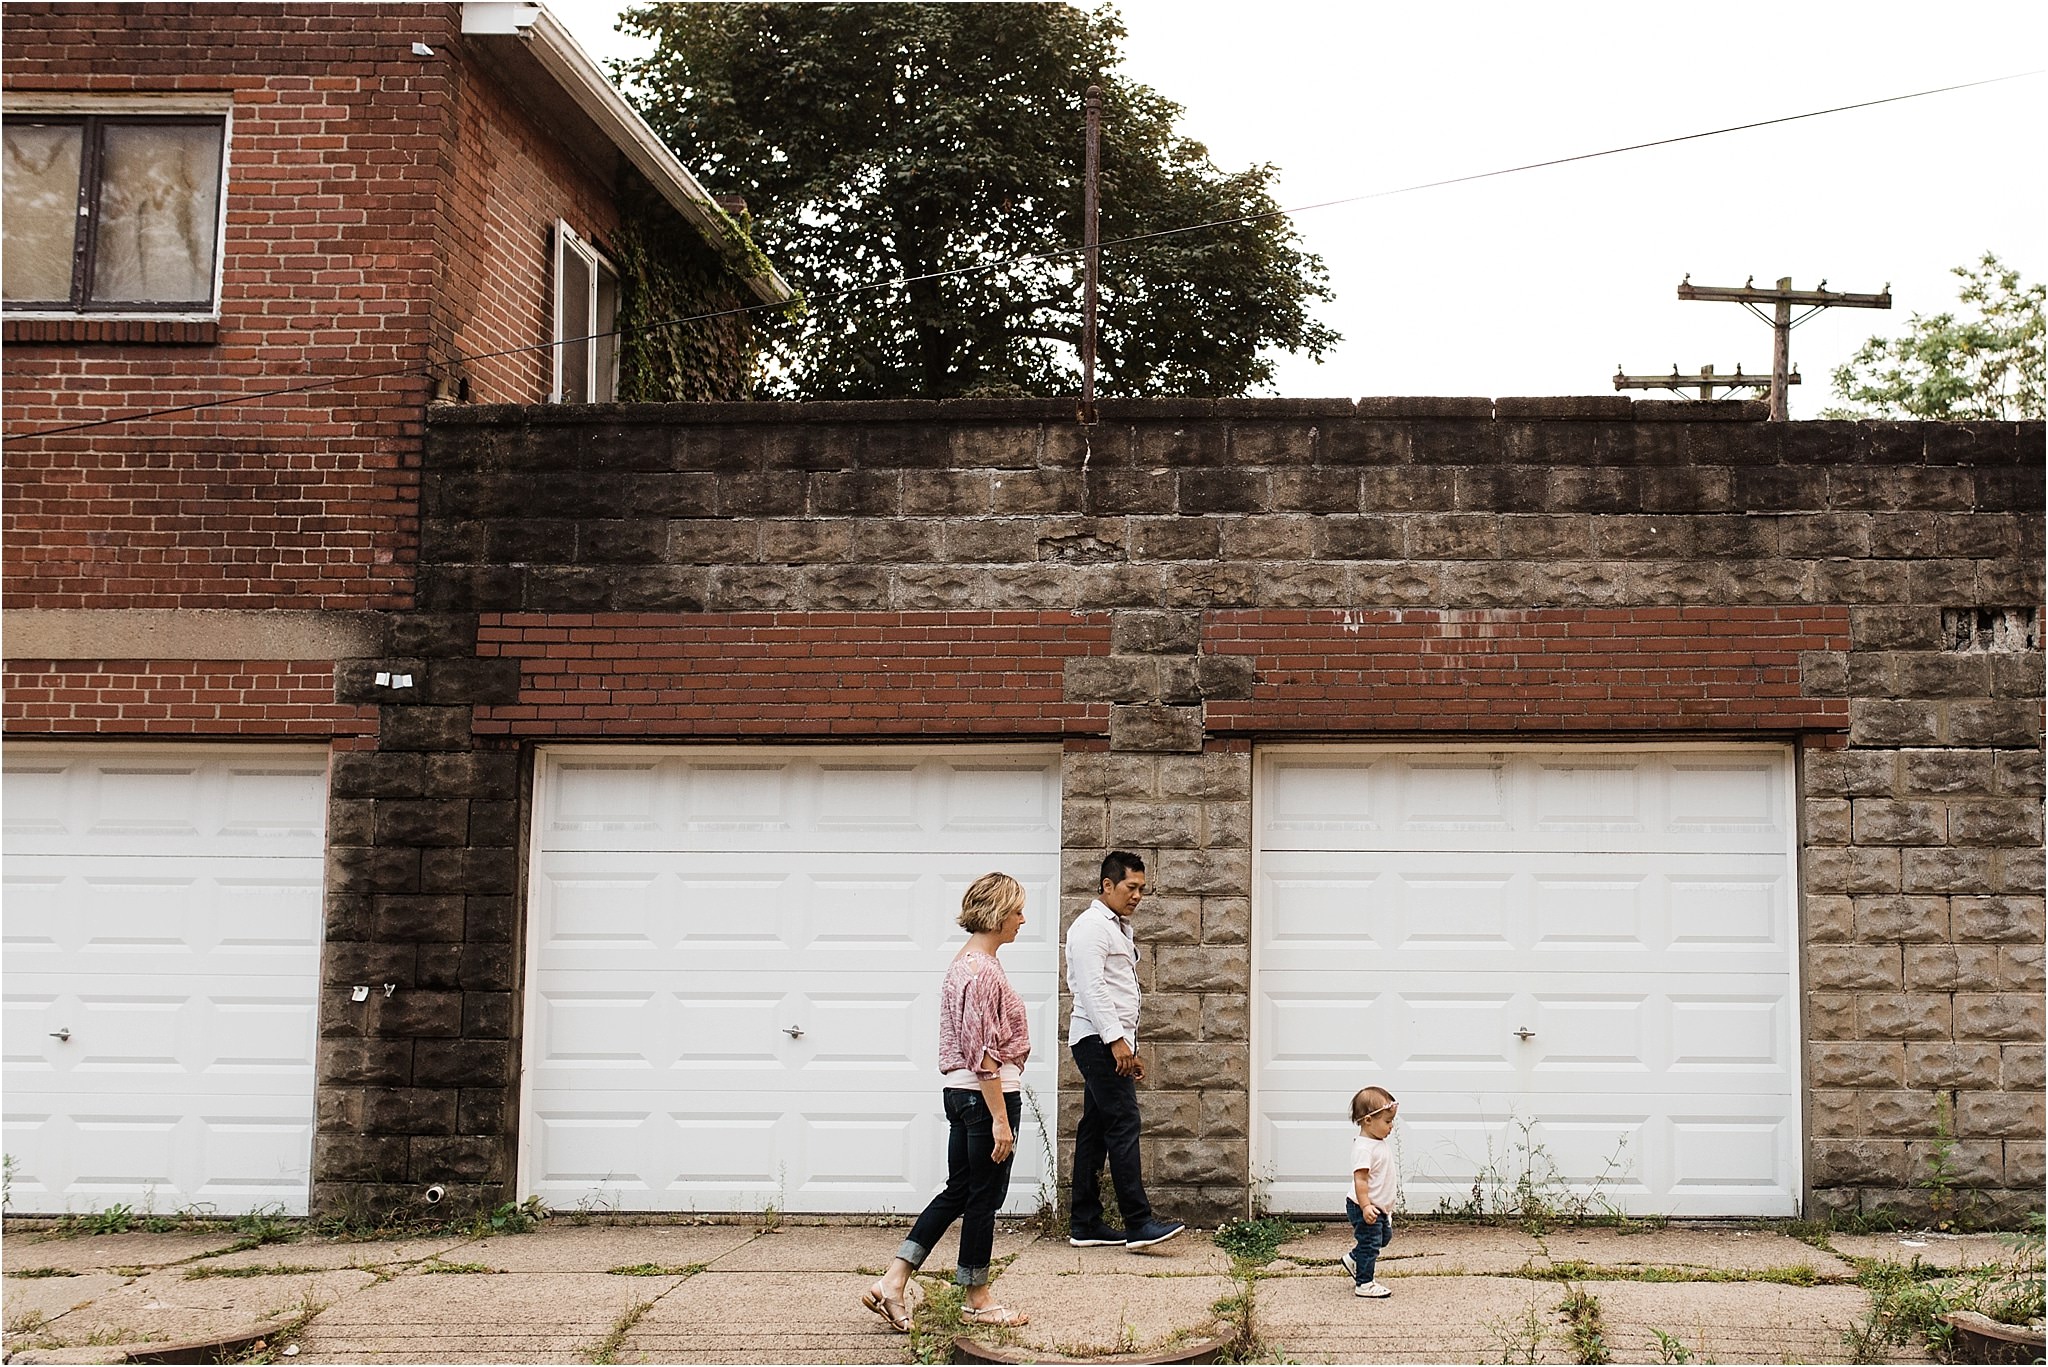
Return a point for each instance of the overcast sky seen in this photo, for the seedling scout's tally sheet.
(1542, 282)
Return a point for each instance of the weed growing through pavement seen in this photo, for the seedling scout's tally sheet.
(1519, 1339)
(279, 1344)
(1942, 1182)
(1251, 1244)
(771, 1213)
(1908, 1300)
(1050, 1219)
(1524, 1186)
(435, 1265)
(1796, 1274)
(658, 1270)
(1671, 1348)
(594, 1204)
(935, 1320)
(1582, 1327)
(513, 1217)
(1257, 1241)
(607, 1348)
(28, 1273)
(202, 1272)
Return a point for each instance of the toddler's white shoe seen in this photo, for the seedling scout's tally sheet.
(1351, 1266)
(1371, 1291)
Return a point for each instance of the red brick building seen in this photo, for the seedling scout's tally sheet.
(247, 246)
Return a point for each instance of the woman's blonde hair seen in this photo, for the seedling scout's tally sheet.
(992, 898)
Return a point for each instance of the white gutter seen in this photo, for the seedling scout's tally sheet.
(583, 81)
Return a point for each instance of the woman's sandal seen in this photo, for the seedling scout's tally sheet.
(996, 1315)
(895, 1312)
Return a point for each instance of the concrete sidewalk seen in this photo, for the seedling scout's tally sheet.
(736, 1293)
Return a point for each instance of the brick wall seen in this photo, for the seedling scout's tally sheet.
(385, 211)
(1296, 569)
(333, 170)
(179, 697)
(791, 674)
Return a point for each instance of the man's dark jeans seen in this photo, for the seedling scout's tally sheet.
(1109, 1127)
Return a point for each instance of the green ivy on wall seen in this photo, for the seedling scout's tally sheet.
(668, 271)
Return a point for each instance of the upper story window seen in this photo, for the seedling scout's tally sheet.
(586, 318)
(112, 213)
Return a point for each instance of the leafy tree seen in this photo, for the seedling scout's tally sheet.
(881, 146)
(1987, 367)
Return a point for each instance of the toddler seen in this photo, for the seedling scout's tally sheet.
(1374, 1181)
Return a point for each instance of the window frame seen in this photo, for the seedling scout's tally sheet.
(92, 118)
(601, 355)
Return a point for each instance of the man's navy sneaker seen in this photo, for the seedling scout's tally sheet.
(1152, 1232)
(1096, 1236)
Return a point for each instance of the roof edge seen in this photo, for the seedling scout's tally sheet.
(581, 80)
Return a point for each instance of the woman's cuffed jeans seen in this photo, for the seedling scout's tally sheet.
(975, 1189)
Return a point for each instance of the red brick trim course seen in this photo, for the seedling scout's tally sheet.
(246, 698)
(792, 673)
(1558, 669)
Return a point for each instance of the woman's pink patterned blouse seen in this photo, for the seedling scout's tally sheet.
(980, 1016)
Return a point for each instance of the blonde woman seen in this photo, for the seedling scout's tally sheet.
(983, 1042)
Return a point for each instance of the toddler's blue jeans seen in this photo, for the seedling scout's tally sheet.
(1372, 1236)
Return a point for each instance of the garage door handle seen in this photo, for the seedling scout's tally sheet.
(64, 1034)
(793, 1031)
(1525, 1033)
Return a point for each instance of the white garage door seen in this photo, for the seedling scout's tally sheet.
(1579, 960)
(162, 960)
(734, 964)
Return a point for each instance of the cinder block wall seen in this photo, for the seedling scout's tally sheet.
(1163, 589)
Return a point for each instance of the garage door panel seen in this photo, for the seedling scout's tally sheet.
(1497, 801)
(198, 918)
(720, 911)
(153, 1153)
(734, 983)
(798, 802)
(1590, 949)
(1408, 911)
(163, 940)
(142, 801)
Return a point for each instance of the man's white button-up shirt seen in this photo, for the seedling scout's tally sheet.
(1102, 973)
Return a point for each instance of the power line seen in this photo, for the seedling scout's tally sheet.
(1028, 258)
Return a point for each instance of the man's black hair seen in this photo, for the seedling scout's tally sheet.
(1120, 865)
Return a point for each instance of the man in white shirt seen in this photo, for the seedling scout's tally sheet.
(1102, 975)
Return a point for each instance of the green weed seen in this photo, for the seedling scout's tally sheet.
(1582, 1326)
(29, 1273)
(606, 1349)
(1519, 1339)
(434, 1265)
(1257, 1241)
(202, 1273)
(1523, 1186)
(658, 1270)
(1671, 1348)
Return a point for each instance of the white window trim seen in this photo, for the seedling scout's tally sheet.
(142, 106)
(568, 240)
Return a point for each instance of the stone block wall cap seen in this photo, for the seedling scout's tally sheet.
(1701, 410)
(1389, 406)
(1554, 407)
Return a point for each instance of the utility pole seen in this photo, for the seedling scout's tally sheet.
(1091, 251)
(1706, 381)
(1783, 299)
